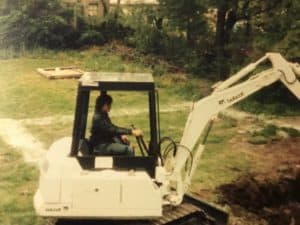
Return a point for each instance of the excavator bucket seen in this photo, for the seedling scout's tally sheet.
(218, 216)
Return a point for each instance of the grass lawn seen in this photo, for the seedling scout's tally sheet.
(18, 182)
(25, 94)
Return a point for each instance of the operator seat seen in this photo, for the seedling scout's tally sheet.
(85, 147)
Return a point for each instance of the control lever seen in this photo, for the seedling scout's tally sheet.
(141, 143)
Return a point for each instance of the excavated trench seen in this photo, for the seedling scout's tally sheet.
(274, 196)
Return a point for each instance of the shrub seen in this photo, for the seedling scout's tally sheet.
(275, 99)
(291, 131)
(47, 23)
(159, 70)
(113, 29)
(91, 37)
(41, 23)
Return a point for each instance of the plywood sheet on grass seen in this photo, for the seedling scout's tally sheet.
(60, 72)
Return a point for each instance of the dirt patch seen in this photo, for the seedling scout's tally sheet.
(272, 192)
(270, 157)
(14, 134)
(256, 191)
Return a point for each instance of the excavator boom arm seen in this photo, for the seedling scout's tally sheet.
(225, 95)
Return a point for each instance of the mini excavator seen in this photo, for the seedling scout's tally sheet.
(77, 184)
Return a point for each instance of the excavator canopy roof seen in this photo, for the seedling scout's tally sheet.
(117, 81)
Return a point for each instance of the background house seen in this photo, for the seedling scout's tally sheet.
(98, 8)
(89, 8)
(134, 2)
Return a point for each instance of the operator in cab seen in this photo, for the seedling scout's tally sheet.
(107, 138)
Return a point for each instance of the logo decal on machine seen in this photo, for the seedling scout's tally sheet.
(53, 209)
(231, 99)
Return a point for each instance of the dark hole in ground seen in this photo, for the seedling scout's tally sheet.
(274, 196)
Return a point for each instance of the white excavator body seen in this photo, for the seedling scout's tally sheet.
(72, 186)
(68, 191)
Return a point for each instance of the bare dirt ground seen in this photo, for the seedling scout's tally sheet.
(270, 194)
(17, 136)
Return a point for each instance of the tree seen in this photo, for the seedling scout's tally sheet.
(279, 23)
(228, 14)
(264, 23)
(105, 4)
(118, 9)
(38, 23)
(186, 16)
(9, 5)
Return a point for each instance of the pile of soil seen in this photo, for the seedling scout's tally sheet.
(274, 196)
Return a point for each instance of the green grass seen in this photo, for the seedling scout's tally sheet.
(220, 162)
(47, 134)
(57, 97)
(291, 131)
(270, 133)
(275, 99)
(26, 94)
(18, 182)
(272, 108)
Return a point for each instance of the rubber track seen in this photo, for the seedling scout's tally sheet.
(184, 214)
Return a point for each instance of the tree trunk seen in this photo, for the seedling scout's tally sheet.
(230, 22)
(248, 32)
(189, 36)
(118, 8)
(75, 16)
(220, 41)
(158, 23)
(105, 4)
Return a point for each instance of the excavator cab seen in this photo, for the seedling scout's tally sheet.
(110, 82)
(77, 184)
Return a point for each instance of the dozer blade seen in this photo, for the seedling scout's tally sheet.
(184, 214)
(193, 211)
(219, 216)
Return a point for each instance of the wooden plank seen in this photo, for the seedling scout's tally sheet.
(61, 72)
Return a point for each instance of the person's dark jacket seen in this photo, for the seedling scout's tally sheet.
(104, 131)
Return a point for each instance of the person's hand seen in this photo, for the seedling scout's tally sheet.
(137, 132)
(124, 139)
